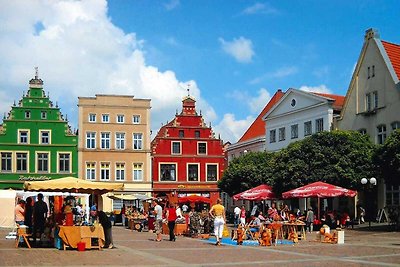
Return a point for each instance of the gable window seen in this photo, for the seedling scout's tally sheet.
(168, 172)
(120, 171)
(373, 70)
(362, 131)
(92, 117)
(369, 72)
(319, 125)
(43, 115)
(91, 140)
(294, 131)
(105, 118)
(43, 162)
(45, 137)
(90, 171)
(281, 133)
(212, 172)
(368, 103)
(193, 172)
(64, 160)
(120, 141)
(381, 136)
(181, 133)
(120, 118)
(272, 136)
(137, 171)
(201, 148)
(136, 119)
(27, 114)
(105, 140)
(176, 147)
(137, 141)
(197, 134)
(307, 128)
(6, 159)
(105, 171)
(395, 125)
(375, 96)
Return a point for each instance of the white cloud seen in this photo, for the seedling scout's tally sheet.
(81, 53)
(232, 128)
(260, 8)
(172, 4)
(321, 72)
(316, 89)
(279, 73)
(258, 103)
(241, 49)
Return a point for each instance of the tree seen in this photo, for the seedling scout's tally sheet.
(339, 157)
(387, 159)
(247, 171)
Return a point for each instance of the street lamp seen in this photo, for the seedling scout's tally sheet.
(368, 187)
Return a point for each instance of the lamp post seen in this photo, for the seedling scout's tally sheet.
(368, 184)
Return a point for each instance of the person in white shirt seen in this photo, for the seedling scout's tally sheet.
(236, 212)
(158, 220)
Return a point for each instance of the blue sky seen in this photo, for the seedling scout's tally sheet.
(233, 54)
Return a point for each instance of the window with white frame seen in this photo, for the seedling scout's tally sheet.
(120, 171)
(91, 140)
(212, 172)
(105, 140)
(137, 141)
(92, 117)
(120, 118)
(64, 161)
(294, 131)
(90, 171)
(201, 148)
(136, 119)
(282, 133)
(137, 171)
(42, 162)
(176, 148)
(43, 115)
(319, 125)
(368, 102)
(105, 118)
(22, 161)
(381, 134)
(167, 172)
(27, 114)
(375, 97)
(23, 136)
(6, 161)
(272, 136)
(395, 125)
(105, 171)
(120, 141)
(45, 137)
(193, 172)
(307, 128)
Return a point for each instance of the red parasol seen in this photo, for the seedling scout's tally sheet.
(320, 190)
(260, 192)
(194, 199)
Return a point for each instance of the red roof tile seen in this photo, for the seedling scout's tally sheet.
(339, 100)
(393, 52)
(257, 128)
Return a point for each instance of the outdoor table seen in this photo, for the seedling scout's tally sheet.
(72, 235)
(295, 227)
(180, 228)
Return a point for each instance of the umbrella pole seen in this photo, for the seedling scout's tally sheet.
(319, 209)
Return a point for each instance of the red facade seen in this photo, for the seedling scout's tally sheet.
(187, 158)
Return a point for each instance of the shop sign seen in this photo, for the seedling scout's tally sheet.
(34, 178)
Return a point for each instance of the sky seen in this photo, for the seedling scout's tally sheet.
(232, 55)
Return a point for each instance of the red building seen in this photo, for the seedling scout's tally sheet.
(187, 158)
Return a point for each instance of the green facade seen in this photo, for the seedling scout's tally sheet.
(36, 142)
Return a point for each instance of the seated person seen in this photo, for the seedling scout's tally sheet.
(261, 217)
(255, 224)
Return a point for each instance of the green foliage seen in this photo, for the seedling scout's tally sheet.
(387, 159)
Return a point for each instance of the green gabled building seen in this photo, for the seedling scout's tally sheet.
(36, 142)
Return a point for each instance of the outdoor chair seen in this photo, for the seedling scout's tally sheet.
(21, 233)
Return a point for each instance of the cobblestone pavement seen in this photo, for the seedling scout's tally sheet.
(361, 248)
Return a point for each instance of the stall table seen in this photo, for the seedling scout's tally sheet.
(72, 235)
(180, 229)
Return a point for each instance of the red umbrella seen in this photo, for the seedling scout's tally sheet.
(319, 189)
(260, 192)
(194, 199)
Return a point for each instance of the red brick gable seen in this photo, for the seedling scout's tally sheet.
(339, 100)
(257, 128)
(393, 52)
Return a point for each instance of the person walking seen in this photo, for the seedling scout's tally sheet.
(310, 220)
(171, 217)
(217, 212)
(123, 214)
(39, 216)
(158, 219)
(236, 213)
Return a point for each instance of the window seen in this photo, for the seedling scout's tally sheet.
(307, 128)
(27, 114)
(23, 137)
(193, 172)
(6, 161)
(105, 140)
(44, 137)
(136, 119)
(319, 125)
(293, 102)
(395, 125)
(120, 171)
(181, 133)
(120, 141)
(168, 172)
(92, 117)
(197, 134)
(212, 172)
(105, 171)
(368, 103)
(202, 148)
(362, 131)
(282, 134)
(176, 147)
(43, 115)
(373, 70)
(392, 195)
(137, 141)
(120, 118)
(137, 172)
(105, 118)
(375, 96)
(43, 162)
(369, 72)
(22, 162)
(90, 171)
(381, 134)
(272, 136)
(64, 160)
(294, 131)
(91, 140)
